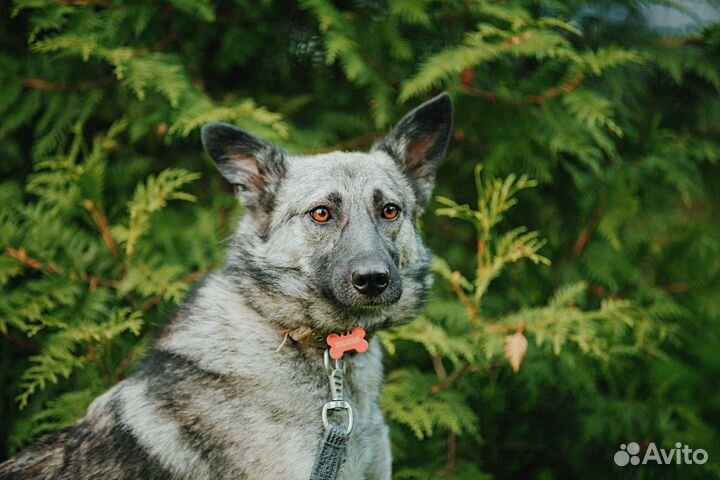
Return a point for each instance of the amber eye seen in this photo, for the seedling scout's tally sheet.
(390, 211)
(320, 214)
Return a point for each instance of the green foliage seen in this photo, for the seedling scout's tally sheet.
(150, 197)
(599, 132)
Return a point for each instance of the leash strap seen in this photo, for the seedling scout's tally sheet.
(331, 456)
(334, 443)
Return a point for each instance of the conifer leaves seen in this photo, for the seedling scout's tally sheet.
(411, 12)
(57, 413)
(495, 197)
(200, 9)
(516, 34)
(137, 69)
(150, 72)
(408, 399)
(524, 37)
(342, 44)
(592, 110)
(69, 289)
(150, 197)
(436, 340)
(62, 354)
(151, 278)
(200, 110)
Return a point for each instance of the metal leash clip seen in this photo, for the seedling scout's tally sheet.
(336, 375)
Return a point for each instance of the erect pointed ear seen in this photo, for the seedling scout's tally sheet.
(254, 166)
(418, 144)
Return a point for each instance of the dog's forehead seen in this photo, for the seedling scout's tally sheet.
(347, 173)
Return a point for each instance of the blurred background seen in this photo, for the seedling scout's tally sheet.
(577, 235)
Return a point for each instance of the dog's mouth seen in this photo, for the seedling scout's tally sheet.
(370, 308)
(350, 301)
(373, 307)
(371, 314)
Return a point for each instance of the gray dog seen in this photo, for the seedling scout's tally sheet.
(235, 386)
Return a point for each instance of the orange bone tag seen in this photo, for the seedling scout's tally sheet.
(339, 344)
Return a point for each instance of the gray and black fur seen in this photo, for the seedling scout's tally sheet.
(215, 398)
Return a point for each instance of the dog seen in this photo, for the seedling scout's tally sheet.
(234, 386)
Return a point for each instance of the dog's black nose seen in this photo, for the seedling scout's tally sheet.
(370, 281)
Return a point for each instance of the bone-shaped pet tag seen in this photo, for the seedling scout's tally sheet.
(339, 344)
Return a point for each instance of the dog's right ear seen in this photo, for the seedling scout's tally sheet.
(418, 144)
(253, 165)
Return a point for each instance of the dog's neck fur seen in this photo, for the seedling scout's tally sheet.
(219, 328)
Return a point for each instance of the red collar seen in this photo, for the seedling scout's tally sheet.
(308, 337)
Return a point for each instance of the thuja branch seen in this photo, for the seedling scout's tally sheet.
(454, 377)
(554, 92)
(22, 256)
(541, 99)
(376, 68)
(100, 220)
(467, 303)
(46, 86)
(586, 232)
(452, 439)
(189, 279)
(84, 3)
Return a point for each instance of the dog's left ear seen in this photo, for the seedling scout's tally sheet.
(418, 143)
(253, 165)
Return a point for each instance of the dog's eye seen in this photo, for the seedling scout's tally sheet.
(320, 214)
(390, 211)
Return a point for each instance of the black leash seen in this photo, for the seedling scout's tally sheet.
(331, 456)
(334, 443)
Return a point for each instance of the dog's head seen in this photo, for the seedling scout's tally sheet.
(330, 241)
